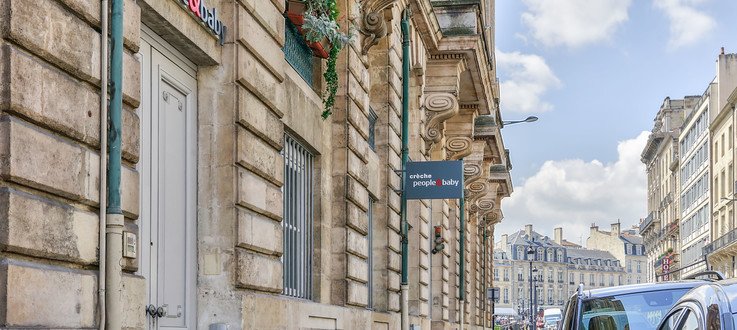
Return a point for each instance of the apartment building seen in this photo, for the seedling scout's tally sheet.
(625, 245)
(557, 267)
(660, 229)
(244, 204)
(694, 182)
(721, 251)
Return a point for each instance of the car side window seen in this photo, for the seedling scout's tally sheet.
(569, 314)
(690, 322)
(671, 321)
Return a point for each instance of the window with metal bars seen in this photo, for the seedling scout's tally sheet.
(298, 219)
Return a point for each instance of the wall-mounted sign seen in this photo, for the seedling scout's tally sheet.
(208, 16)
(434, 180)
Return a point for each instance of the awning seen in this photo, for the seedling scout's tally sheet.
(504, 311)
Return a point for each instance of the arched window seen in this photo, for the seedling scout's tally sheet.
(520, 253)
(540, 254)
(550, 255)
(560, 256)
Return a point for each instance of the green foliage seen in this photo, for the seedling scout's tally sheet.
(331, 81)
(321, 22)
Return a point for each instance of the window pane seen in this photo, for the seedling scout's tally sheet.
(691, 323)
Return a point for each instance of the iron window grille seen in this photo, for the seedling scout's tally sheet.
(298, 219)
(372, 129)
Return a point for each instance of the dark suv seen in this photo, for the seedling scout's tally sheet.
(627, 307)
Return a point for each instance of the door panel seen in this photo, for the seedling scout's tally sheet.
(168, 183)
(173, 268)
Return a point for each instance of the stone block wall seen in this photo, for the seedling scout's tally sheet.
(49, 161)
(249, 98)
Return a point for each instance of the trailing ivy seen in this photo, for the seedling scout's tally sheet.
(321, 23)
(331, 82)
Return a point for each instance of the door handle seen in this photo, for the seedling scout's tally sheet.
(151, 310)
(155, 312)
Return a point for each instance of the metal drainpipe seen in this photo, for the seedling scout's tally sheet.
(404, 299)
(462, 294)
(103, 163)
(483, 280)
(114, 216)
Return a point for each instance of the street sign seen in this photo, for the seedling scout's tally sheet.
(492, 294)
(434, 180)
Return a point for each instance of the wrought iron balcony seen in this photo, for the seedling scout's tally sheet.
(297, 53)
(721, 242)
(651, 218)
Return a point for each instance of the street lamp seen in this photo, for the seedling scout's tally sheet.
(538, 278)
(530, 256)
(526, 120)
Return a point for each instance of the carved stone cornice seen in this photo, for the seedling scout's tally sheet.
(373, 25)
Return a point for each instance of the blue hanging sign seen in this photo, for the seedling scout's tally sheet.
(434, 180)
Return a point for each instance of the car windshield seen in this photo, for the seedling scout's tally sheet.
(642, 310)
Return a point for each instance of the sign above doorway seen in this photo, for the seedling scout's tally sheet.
(208, 16)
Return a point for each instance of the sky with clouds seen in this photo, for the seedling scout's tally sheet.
(595, 72)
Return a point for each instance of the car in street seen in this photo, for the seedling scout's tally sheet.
(710, 306)
(626, 307)
(551, 318)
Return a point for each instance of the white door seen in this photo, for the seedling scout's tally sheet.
(167, 167)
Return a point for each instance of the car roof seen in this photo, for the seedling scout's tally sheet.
(644, 287)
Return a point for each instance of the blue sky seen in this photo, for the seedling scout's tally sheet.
(595, 72)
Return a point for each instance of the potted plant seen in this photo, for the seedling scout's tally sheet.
(317, 21)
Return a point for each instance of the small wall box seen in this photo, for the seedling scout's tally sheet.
(130, 245)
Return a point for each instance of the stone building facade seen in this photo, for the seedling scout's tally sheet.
(694, 185)
(722, 97)
(660, 229)
(243, 207)
(625, 245)
(557, 268)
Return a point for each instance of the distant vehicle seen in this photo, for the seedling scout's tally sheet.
(626, 307)
(551, 317)
(708, 306)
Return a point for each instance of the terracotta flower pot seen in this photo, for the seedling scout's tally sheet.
(296, 12)
(320, 49)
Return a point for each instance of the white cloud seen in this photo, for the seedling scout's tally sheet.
(687, 24)
(574, 23)
(574, 193)
(528, 77)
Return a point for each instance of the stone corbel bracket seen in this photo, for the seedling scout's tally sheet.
(474, 183)
(373, 26)
(459, 147)
(439, 107)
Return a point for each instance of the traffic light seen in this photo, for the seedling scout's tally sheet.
(439, 240)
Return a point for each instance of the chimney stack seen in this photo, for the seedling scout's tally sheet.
(505, 242)
(528, 231)
(616, 229)
(594, 229)
(558, 235)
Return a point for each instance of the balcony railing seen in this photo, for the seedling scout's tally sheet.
(647, 222)
(721, 242)
(297, 53)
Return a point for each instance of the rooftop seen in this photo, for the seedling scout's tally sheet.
(590, 254)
